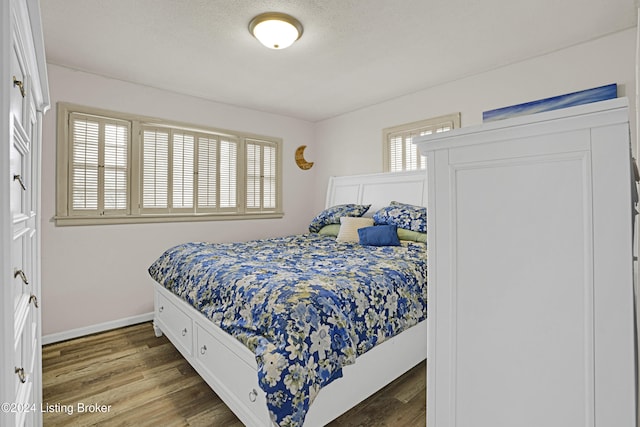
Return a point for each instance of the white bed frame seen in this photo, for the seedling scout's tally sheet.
(230, 368)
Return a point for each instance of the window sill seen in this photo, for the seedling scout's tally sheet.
(128, 219)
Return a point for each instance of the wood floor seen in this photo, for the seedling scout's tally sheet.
(133, 378)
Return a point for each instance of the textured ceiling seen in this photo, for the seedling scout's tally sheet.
(353, 53)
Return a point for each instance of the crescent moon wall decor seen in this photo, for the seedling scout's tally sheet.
(300, 160)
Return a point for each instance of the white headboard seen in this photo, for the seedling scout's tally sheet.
(378, 189)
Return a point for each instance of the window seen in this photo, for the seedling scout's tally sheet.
(400, 154)
(261, 175)
(115, 168)
(188, 172)
(98, 165)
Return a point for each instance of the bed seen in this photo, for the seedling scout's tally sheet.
(309, 325)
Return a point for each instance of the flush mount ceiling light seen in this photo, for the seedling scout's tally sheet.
(275, 30)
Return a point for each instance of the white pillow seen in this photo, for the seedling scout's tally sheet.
(349, 228)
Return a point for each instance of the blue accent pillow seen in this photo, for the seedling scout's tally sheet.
(332, 215)
(379, 235)
(409, 217)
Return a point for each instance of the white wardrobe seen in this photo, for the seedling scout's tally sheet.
(531, 300)
(25, 98)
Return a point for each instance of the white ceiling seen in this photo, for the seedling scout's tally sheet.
(353, 53)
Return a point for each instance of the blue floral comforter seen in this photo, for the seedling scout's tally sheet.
(306, 305)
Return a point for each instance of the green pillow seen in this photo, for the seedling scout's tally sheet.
(330, 230)
(416, 236)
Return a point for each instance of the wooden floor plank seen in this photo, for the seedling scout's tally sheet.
(144, 381)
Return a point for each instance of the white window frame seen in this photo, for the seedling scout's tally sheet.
(399, 154)
(135, 211)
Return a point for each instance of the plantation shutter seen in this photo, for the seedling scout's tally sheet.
(183, 168)
(402, 154)
(396, 156)
(217, 173)
(261, 175)
(207, 173)
(84, 167)
(413, 159)
(253, 176)
(269, 177)
(99, 166)
(155, 169)
(228, 174)
(115, 167)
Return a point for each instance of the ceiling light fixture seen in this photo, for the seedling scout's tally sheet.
(275, 30)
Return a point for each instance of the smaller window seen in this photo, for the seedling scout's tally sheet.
(400, 154)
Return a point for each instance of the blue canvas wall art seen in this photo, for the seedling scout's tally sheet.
(562, 101)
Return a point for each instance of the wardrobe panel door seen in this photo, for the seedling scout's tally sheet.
(19, 81)
(523, 314)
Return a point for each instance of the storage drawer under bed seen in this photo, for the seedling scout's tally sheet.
(175, 322)
(237, 385)
(223, 362)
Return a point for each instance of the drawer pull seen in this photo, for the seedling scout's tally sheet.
(23, 276)
(19, 179)
(21, 375)
(253, 395)
(34, 299)
(161, 309)
(203, 349)
(184, 332)
(20, 85)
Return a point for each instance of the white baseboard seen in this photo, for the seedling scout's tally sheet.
(93, 329)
